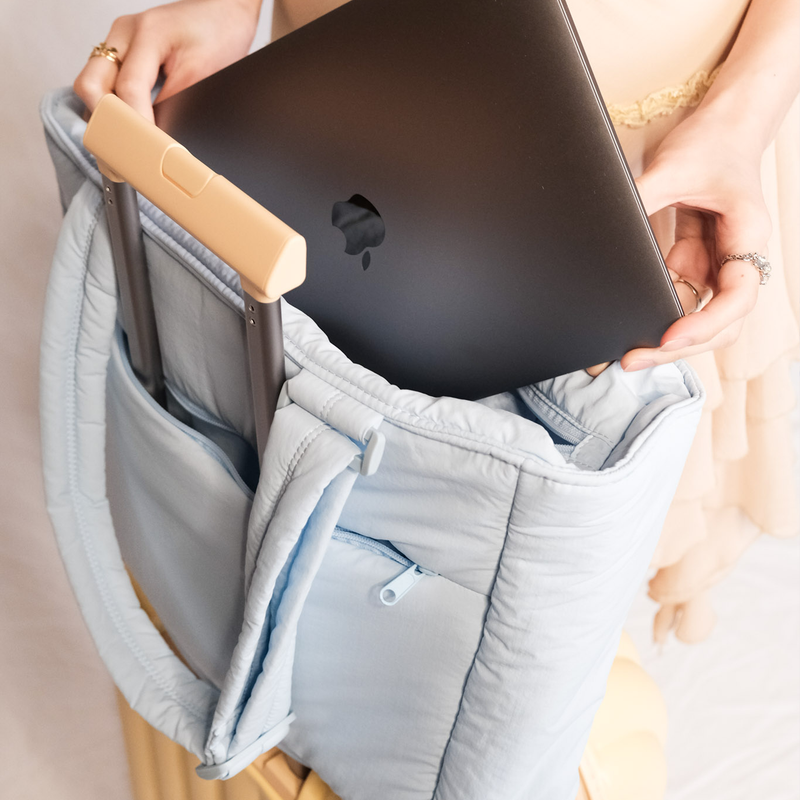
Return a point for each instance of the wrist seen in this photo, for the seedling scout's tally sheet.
(748, 109)
(761, 75)
(252, 7)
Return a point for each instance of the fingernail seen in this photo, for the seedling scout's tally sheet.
(676, 344)
(639, 365)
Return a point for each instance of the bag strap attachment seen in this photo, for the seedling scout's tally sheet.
(321, 442)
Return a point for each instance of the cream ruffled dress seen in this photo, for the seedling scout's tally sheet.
(654, 61)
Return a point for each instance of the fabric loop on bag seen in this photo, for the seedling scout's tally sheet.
(302, 491)
(333, 406)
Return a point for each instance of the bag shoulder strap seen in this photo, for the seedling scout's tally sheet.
(79, 322)
(319, 444)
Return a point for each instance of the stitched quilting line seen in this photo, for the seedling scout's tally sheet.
(330, 403)
(256, 665)
(78, 497)
(333, 405)
(424, 424)
(294, 462)
(483, 635)
(287, 651)
(565, 415)
(607, 476)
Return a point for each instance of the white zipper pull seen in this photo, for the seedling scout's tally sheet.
(402, 584)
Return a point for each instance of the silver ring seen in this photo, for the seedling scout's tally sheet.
(759, 262)
(697, 298)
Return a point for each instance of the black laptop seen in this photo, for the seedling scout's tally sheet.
(472, 225)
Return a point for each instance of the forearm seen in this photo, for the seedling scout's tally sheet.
(761, 76)
(253, 5)
(288, 15)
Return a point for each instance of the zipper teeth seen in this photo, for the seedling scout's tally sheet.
(365, 543)
(573, 440)
(540, 407)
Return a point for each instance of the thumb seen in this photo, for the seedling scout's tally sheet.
(744, 226)
(657, 187)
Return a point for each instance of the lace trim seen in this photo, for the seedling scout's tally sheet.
(664, 101)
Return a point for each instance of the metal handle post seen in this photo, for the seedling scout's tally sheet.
(267, 369)
(136, 297)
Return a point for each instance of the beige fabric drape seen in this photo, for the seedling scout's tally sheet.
(740, 464)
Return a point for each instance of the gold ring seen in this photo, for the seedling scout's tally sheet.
(698, 299)
(104, 51)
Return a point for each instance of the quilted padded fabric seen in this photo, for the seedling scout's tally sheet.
(521, 525)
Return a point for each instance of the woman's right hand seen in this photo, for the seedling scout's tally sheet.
(189, 40)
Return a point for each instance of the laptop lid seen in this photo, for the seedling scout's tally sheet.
(472, 225)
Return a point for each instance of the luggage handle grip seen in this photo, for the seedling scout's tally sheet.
(269, 256)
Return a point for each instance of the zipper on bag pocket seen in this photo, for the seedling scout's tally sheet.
(400, 585)
(397, 588)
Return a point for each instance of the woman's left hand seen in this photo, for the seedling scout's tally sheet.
(709, 169)
(712, 176)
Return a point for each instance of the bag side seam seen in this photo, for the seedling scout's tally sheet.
(483, 634)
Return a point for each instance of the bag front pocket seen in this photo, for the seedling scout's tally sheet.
(380, 680)
(180, 511)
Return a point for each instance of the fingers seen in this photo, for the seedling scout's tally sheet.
(718, 213)
(658, 187)
(598, 368)
(181, 76)
(691, 294)
(644, 358)
(139, 73)
(99, 75)
(141, 50)
(190, 39)
(716, 325)
(744, 228)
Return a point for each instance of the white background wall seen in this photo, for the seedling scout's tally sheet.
(734, 736)
(59, 731)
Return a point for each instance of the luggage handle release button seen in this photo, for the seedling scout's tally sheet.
(188, 173)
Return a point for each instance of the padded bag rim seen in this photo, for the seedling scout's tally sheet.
(511, 439)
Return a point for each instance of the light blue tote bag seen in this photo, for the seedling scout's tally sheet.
(419, 597)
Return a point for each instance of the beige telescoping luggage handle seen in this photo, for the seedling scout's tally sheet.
(268, 255)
